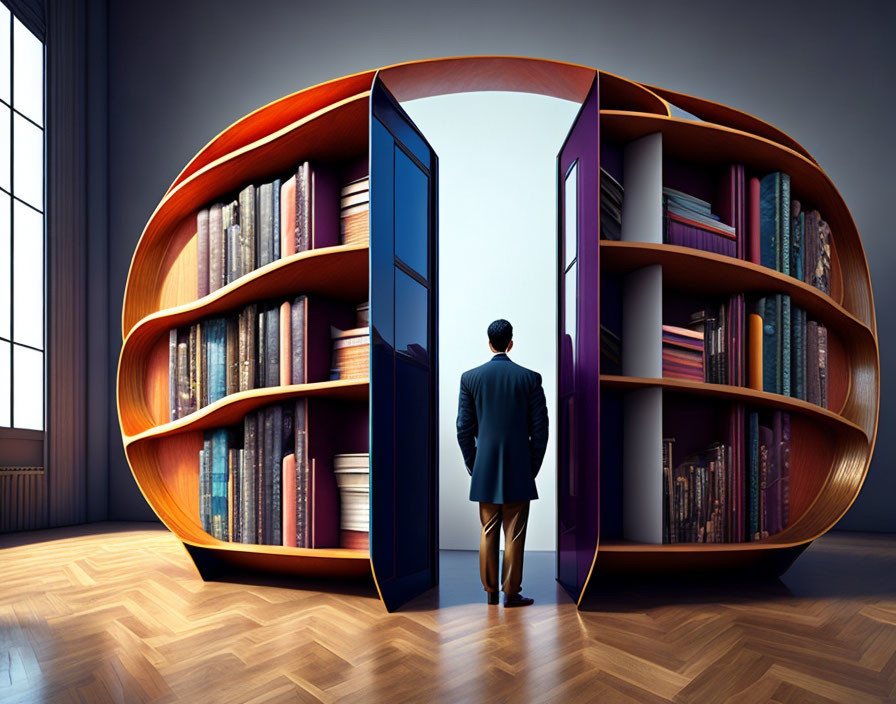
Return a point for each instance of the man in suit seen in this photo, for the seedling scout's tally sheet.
(502, 430)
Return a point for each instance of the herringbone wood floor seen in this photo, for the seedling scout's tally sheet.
(116, 612)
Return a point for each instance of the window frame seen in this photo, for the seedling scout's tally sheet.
(24, 445)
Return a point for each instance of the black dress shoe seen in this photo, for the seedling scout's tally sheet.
(492, 598)
(517, 600)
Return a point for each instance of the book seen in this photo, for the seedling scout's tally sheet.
(275, 508)
(285, 362)
(272, 345)
(302, 228)
(217, 249)
(301, 478)
(249, 482)
(774, 221)
(797, 228)
(215, 333)
(231, 355)
(202, 252)
(288, 217)
(297, 330)
(172, 374)
(354, 211)
(245, 260)
(289, 483)
(218, 483)
(264, 204)
(351, 353)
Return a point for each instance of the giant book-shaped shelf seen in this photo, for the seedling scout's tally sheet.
(659, 205)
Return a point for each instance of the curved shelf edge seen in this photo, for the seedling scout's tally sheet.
(236, 168)
(227, 410)
(319, 553)
(273, 117)
(707, 110)
(623, 257)
(311, 271)
(737, 393)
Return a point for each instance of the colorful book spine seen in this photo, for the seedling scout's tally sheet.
(217, 249)
(247, 232)
(285, 363)
(202, 249)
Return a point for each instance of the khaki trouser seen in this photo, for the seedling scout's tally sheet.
(515, 518)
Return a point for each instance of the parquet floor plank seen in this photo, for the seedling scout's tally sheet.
(115, 612)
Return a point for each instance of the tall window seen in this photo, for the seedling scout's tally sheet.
(21, 226)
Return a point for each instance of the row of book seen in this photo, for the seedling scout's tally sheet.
(354, 211)
(758, 220)
(793, 241)
(257, 484)
(274, 220)
(264, 344)
(785, 352)
(353, 479)
(736, 491)
(788, 352)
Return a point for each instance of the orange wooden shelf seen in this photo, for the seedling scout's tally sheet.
(739, 394)
(231, 409)
(720, 274)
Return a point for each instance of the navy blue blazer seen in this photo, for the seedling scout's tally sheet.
(502, 430)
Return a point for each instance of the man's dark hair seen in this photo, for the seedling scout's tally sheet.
(500, 333)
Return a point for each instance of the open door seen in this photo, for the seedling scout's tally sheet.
(403, 364)
(578, 348)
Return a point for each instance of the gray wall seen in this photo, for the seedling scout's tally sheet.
(181, 72)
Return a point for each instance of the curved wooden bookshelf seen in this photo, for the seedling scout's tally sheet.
(330, 122)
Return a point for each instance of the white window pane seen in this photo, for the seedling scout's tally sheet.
(4, 384)
(28, 276)
(5, 51)
(28, 162)
(28, 388)
(28, 73)
(5, 154)
(5, 264)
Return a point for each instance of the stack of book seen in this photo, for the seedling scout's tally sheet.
(353, 479)
(611, 193)
(682, 353)
(355, 212)
(351, 353)
(791, 240)
(688, 221)
(788, 353)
